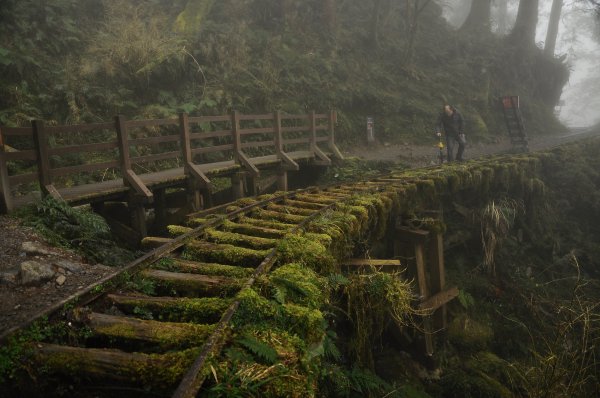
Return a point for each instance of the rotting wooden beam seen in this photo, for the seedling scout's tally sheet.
(359, 264)
(439, 300)
(152, 242)
(167, 334)
(192, 284)
(437, 276)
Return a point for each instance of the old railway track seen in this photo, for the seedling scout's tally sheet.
(159, 319)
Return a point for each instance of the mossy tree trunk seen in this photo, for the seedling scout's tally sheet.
(552, 33)
(523, 33)
(479, 16)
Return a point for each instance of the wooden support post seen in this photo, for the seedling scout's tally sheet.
(199, 187)
(332, 147)
(422, 283)
(251, 185)
(321, 158)
(287, 163)
(40, 139)
(160, 211)
(237, 185)
(238, 155)
(138, 217)
(4, 181)
(282, 180)
(438, 276)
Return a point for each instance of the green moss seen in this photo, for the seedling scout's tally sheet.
(208, 269)
(177, 230)
(299, 285)
(298, 249)
(290, 210)
(267, 223)
(469, 334)
(278, 216)
(223, 254)
(232, 238)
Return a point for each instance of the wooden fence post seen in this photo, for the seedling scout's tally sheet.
(40, 139)
(332, 147)
(237, 139)
(4, 181)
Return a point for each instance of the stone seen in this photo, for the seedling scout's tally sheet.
(9, 277)
(61, 280)
(35, 273)
(35, 248)
(68, 265)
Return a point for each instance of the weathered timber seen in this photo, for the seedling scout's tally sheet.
(254, 230)
(438, 300)
(194, 267)
(199, 310)
(290, 209)
(152, 242)
(282, 226)
(278, 216)
(126, 329)
(361, 264)
(224, 254)
(304, 205)
(159, 371)
(192, 284)
(233, 238)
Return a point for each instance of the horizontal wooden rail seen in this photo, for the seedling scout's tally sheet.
(65, 150)
(79, 128)
(210, 134)
(151, 123)
(225, 135)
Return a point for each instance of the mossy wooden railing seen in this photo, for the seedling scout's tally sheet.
(129, 158)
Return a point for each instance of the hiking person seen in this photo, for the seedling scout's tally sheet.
(452, 124)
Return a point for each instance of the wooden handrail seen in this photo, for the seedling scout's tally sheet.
(312, 124)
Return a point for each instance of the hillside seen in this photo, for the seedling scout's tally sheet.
(71, 61)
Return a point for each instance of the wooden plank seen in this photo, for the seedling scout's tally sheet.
(440, 299)
(411, 234)
(322, 139)
(209, 119)
(370, 262)
(211, 149)
(154, 140)
(312, 139)
(297, 117)
(90, 167)
(16, 131)
(294, 129)
(136, 183)
(29, 154)
(256, 117)
(257, 144)
(151, 122)
(248, 165)
(4, 180)
(420, 270)
(40, 139)
(155, 157)
(262, 130)
(437, 276)
(53, 192)
(322, 158)
(79, 128)
(98, 147)
(292, 141)
(210, 134)
(122, 139)
(322, 128)
(235, 131)
(22, 178)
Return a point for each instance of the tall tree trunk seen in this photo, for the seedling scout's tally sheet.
(479, 16)
(330, 15)
(414, 8)
(550, 44)
(375, 23)
(524, 31)
(502, 16)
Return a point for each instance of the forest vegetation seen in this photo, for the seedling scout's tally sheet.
(68, 62)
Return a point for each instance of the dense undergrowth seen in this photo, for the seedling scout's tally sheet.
(69, 61)
(74, 228)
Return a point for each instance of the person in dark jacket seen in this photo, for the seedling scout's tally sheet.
(452, 124)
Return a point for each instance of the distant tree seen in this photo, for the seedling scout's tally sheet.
(413, 10)
(523, 32)
(502, 16)
(552, 33)
(479, 16)
(330, 15)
